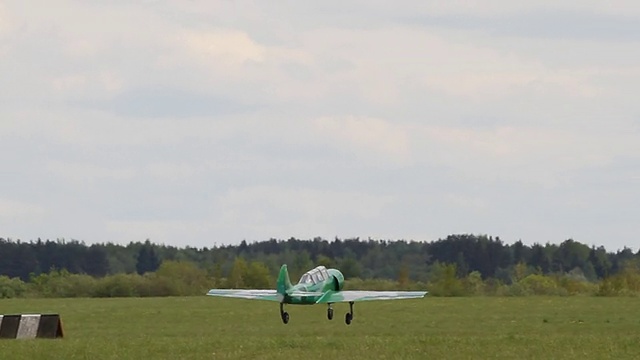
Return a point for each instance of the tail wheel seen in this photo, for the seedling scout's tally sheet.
(330, 314)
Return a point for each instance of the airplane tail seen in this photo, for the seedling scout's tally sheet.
(284, 283)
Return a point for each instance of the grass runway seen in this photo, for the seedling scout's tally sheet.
(437, 328)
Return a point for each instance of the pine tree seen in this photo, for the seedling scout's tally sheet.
(148, 260)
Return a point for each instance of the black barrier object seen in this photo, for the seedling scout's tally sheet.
(50, 326)
(9, 326)
(31, 326)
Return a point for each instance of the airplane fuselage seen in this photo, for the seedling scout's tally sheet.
(309, 294)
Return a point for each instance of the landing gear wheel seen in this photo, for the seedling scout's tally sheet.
(283, 314)
(330, 314)
(347, 318)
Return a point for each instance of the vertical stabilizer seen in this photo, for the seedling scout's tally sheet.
(284, 283)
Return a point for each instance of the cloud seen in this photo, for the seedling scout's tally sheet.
(11, 209)
(170, 103)
(160, 231)
(546, 23)
(5, 20)
(231, 47)
(307, 201)
(368, 135)
(173, 171)
(413, 68)
(304, 212)
(505, 7)
(231, 64)
(99, 129)
(87, 173)
(475, 204)
(527, 154)
(257, 213)
(77, 84)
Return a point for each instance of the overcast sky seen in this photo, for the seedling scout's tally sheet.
(212, 122)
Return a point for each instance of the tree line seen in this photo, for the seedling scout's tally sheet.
(456, 265)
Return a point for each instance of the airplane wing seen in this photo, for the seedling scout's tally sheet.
(347, 296)
(270, 295)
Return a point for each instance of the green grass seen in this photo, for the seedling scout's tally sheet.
(451, 328)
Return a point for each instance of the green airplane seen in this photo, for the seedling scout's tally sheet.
(317, 286)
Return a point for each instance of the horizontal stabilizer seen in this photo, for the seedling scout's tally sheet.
(304, 294)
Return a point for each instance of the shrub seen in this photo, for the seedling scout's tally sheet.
(119, 285)
(11, 287)
(535, 284)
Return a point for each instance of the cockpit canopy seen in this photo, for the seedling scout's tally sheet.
(314, 276)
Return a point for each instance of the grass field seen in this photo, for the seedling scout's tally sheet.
(451, 328)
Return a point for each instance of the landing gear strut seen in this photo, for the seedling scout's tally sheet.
(349, 316)
(330, 312)
(283, 314)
